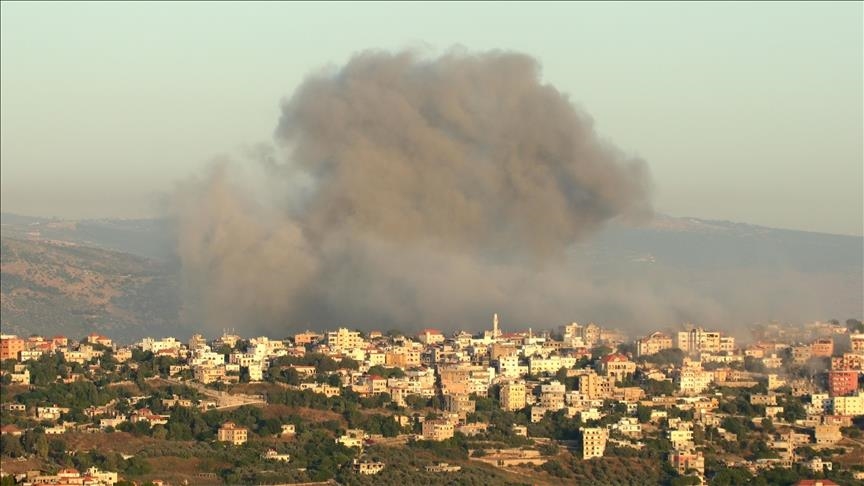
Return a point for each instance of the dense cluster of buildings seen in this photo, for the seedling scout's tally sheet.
(535, 373)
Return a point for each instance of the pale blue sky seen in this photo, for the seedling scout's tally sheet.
(747, 112)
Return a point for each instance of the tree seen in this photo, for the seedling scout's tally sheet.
(643, 413)
(754, 365)
(11, 446)
(658, 388)
(387, 372)
(731, 476)
(349, 364)
(334, 380)
(673, 356)
(40, 446)
(599, 352)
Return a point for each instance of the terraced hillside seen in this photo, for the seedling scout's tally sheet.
(61, 288)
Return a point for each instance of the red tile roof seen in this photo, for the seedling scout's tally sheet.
(614, 357)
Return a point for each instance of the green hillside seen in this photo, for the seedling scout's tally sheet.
(59, 288)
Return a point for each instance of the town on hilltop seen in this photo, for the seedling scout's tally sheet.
(580, 404)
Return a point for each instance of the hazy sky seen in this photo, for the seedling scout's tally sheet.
(747, 112)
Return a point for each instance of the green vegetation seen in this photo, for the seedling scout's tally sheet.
(73, 290)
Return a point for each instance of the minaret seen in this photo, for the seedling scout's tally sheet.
(495, 326)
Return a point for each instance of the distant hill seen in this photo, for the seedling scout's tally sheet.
(699, 244)
(61, 288)
(149, 238)
(677, 269)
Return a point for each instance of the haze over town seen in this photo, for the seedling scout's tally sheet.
(432, 244)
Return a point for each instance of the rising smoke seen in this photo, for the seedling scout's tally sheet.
(405, 191)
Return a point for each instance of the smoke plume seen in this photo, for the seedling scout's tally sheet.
(406, 191)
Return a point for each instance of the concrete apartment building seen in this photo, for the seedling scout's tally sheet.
(230, 432)
(857, 343)
(684, 461)
(512, 396)
(850, 406)
(594, 386)
(699, 340)
(593, 442)
(822, 348)
(10, 347)
(617, 366)
(842, 383)
(437, 430)
(343, 339)
(653, 343)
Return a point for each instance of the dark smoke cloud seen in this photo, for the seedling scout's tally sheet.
(407, 191)
(472, 152)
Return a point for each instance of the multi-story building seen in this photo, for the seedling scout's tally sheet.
(699, 340)
(437, 430)
(653, 343)
(850, 406)
(96, 338)
(591, 334)
(204, 357)
(499, 350)
(156, 346)
(692, 379)
(775, 381)
(352, 438)
(510, 367)
(460, 404)
(572, 335)
(430, 336)
(307, 337)
(617, 366)
(230, 432)
(822, 348)
(827, 434)
(686, 461)
(594, 386)
(20, 374)
(681, 438)
(196, 341)
(402, 358)
(857, 343)
(593, 442)
(552, 396)
(209, 374)
(842, 383)
(50, 413)
(801, 354)
(847, 362)
(10, 347)
(512, 396)
(344, 339)
(122, 355)
(772, 361)
(550, 365)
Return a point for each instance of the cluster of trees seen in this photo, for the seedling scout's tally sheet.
(671, 356)
(56, 450)
(454, 448)
(191, 424)
(613, 470)
(322, 363)
(78, 394)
